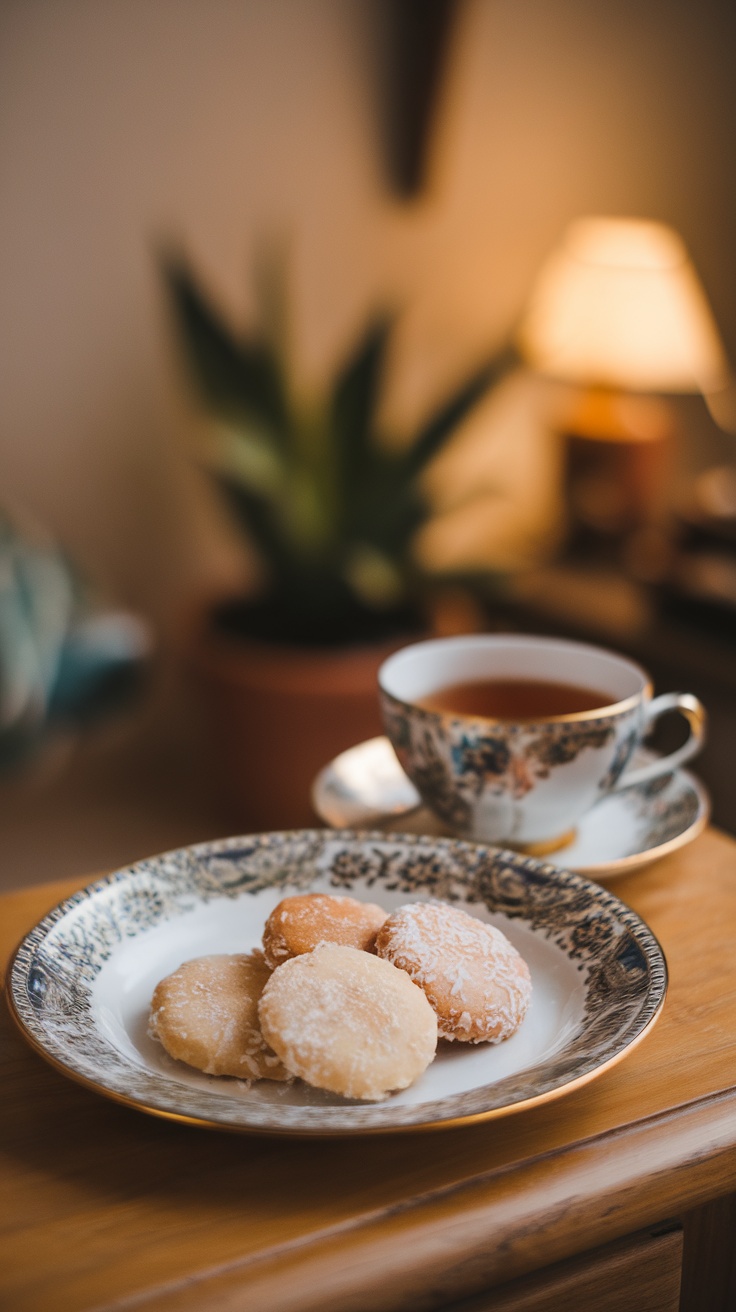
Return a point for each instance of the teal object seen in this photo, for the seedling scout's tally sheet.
(65, 660)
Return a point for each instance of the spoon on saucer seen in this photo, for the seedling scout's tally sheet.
(364, 785)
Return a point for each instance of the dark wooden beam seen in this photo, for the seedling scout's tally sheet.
(417, 35)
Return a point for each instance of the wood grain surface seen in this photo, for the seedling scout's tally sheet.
(103, 1207)
(641, 1274)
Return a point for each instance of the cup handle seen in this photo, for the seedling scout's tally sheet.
(695, 714)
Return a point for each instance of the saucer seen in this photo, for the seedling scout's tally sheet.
(365, 787)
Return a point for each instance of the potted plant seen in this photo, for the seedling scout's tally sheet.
(332, 511)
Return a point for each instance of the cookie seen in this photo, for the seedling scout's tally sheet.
(346, 1021)
(206, 1014)
(298, 924)
(475, 979)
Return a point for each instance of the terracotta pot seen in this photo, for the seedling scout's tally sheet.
(278, 714)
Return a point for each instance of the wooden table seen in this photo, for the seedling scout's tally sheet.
(610, 1197)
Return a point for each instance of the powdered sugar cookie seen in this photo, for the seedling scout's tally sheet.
(476, 981)
(206, 1014)
(346, 1021)
(299, 923)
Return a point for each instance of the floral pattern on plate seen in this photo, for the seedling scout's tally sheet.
(81, 981)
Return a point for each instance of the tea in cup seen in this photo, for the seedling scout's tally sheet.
(512, 739)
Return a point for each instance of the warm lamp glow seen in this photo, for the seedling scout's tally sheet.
(619, 305)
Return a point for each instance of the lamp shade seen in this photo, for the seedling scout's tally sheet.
(619, 304)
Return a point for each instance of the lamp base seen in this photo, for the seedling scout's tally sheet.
(617, 462)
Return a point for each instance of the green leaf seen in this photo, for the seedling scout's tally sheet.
(373, 576)
(247, 456)
(386, 506)
(446, 420)
(262, 524)
(354, 403)
(270, 287)
(288, 527)
(238, 379)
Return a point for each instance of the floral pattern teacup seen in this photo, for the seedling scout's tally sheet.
(524, 782)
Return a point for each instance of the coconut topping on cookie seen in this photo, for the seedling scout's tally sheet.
(474, 978)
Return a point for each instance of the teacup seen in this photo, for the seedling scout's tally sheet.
(524, 765)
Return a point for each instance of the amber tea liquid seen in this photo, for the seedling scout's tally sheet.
(514, 699)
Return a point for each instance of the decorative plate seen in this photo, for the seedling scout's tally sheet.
(624, 831)
(80, 983)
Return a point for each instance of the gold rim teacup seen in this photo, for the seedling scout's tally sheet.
(521, 781)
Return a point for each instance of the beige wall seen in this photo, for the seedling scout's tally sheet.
(122, 121)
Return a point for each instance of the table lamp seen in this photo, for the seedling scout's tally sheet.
(618, 312)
